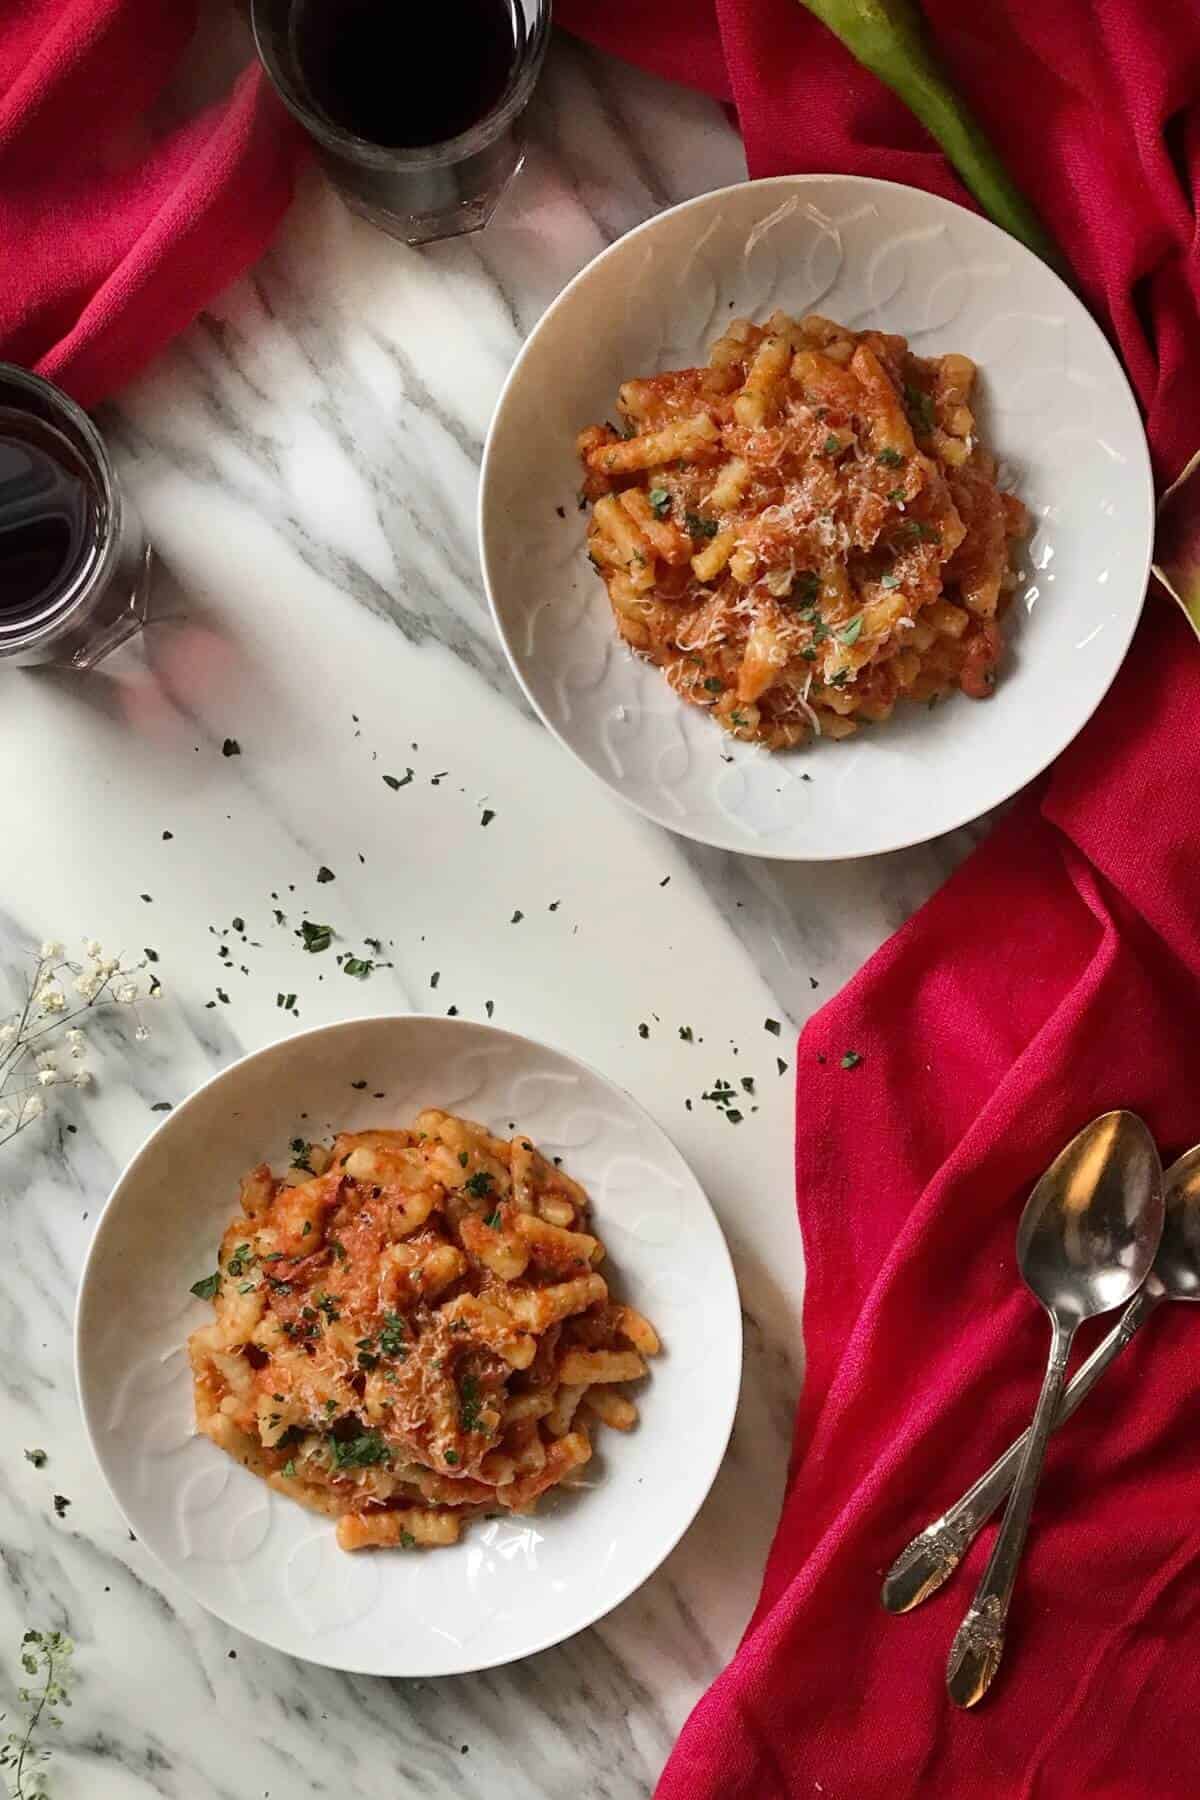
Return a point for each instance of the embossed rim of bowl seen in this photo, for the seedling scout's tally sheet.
(1053, 744)
(724, 1274)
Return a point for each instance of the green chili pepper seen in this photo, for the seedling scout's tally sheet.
(888, 38)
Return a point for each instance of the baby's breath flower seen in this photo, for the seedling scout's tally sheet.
(51, 951)
(82, 1078)
(141, 1034)
(47, 1077)
(92, 946)
(52, 999)
(6, 1117)
(32, 1107)
(8, 1033)
(126, 993)
(74, 1037)
(110, 966)
(87, 986)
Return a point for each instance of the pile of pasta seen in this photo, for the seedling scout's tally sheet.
(411, 1328)
(804, 531)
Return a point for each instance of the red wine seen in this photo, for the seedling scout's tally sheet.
(404, 73)
(49, 514)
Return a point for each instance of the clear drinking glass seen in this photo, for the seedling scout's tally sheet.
(57, 477)
(426, 191)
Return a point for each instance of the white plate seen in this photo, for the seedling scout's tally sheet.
(1056, 407)
(270, 1567)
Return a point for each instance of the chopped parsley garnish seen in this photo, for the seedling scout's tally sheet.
(895, 495)
(480, 1184)
(358, 966)
(806, 587)
(660, 501)
(452, 1458)
(851, 1059)
(208, 1288)
(289, 1467)
(407, 1540)
(468, 1414)
(493, 1220)
(316, 937)
(920, 407)
(463, 1159)
(832, 445)
(361, 1452)
(840, 679)
(242, 1259)
(399, 781)
(714, 685)
(307, 1228)
(737, 718)
(338, 1248)
(391, 1338)
(889, 581)
(699, 526)
(891, 459)
(849, 634)
(914, 528)
(327, 1303)
(300, 1150)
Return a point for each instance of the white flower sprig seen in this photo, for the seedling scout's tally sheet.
(31, 1057)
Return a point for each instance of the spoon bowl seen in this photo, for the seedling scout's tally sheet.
(1177, 1265)
(1092, 1225)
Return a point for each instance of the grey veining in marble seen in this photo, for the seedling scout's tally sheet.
(306, 457)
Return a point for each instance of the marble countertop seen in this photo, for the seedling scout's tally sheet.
(306, 457)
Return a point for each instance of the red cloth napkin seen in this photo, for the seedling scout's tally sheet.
(115, 233)
(1056, 975)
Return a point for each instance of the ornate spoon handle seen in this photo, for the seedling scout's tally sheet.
(979, 1642)
(934, 1554)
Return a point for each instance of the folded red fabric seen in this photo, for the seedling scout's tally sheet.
(115, 230)
(1056, 975)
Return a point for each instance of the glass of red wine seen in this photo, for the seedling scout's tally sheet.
(415, 106)
(74, 560)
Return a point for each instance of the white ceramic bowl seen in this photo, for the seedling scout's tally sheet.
(265, 1564)
(1055, 406)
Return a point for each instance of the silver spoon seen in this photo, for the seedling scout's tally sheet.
(1085, 1244)
(934, 1554)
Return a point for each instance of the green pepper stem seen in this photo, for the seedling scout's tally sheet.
(886, 36)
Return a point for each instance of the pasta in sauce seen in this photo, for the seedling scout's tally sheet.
(411, 1328)
(804, 531)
